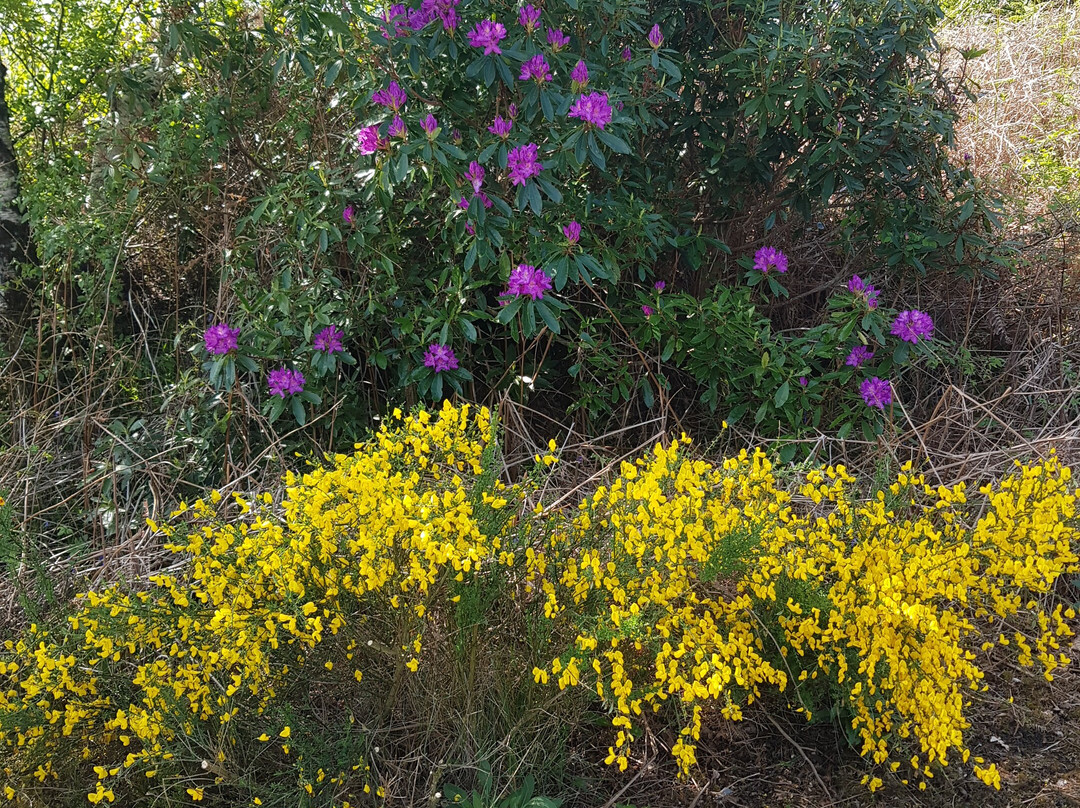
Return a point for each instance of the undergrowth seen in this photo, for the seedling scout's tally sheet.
(403, 598)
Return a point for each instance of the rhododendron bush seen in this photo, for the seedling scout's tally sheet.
(683, 592)
(508, 182)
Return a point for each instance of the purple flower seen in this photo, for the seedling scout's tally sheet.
(464, 203)
(328, 340)
(430, 125)
(397, 128)
(967, 157)
(529, 17)
(768, 257)
(367, 140)
(647, 310)
(557, 39)
(455, 135)
(487, 35)
(803, 381)
(475, 175)
(512, 112)
(445, 10)
(876, 392)
(911, 326)
(284, 381)
(501, 127)
(626, 54)
(867, 290)
(440, 358)
(580, 76)
(592, 109)
(523, 162)
(393, 97)
(397, 15)
(419, 17)
(656, 39)
(859, 355)
(220, 339)
(572, 232)
(527, 281)
(536, 68)
(348, 214)
(659, 286)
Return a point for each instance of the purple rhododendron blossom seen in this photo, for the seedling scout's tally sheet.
(659, 286)
(912, 326)
(501, 127)
(580, 74)
(328, 340)
(647, 310)
(397, 128)
(512, 112)
(859, 355)
(537, 69)
(866, 290)
(529, 17)
(440, 358)
(527, 281)
(475, 175)
(367, 140)
(627, 55)
(348, 214)
(656, 39)
(876, 393)
(463, 204)
(769, 257)
(444, 10)
(430, 125)
(283, 382)
(557, 39)
(393, 97)
(523, 162)
(398, 15)
(220, 339)
(487, 35)
(572, 232)
(803, 381)
(593, 109)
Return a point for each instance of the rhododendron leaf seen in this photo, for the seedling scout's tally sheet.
(580, 150)
(298, 412)
(468, 329)
(545, 314)
(595, 154)
(509, 311)
(528, 325)
(550, 190)
(613, 142)
(485, 155)
(332, 73)
(545, 105)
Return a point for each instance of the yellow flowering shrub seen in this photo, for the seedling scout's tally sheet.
(683, 589)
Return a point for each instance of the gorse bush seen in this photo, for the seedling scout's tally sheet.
(683, 589)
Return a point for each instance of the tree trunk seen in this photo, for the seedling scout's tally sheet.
(14, 229)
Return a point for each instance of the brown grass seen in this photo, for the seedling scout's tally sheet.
(1026, 119)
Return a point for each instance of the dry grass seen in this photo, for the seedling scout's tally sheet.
(1023, 131)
